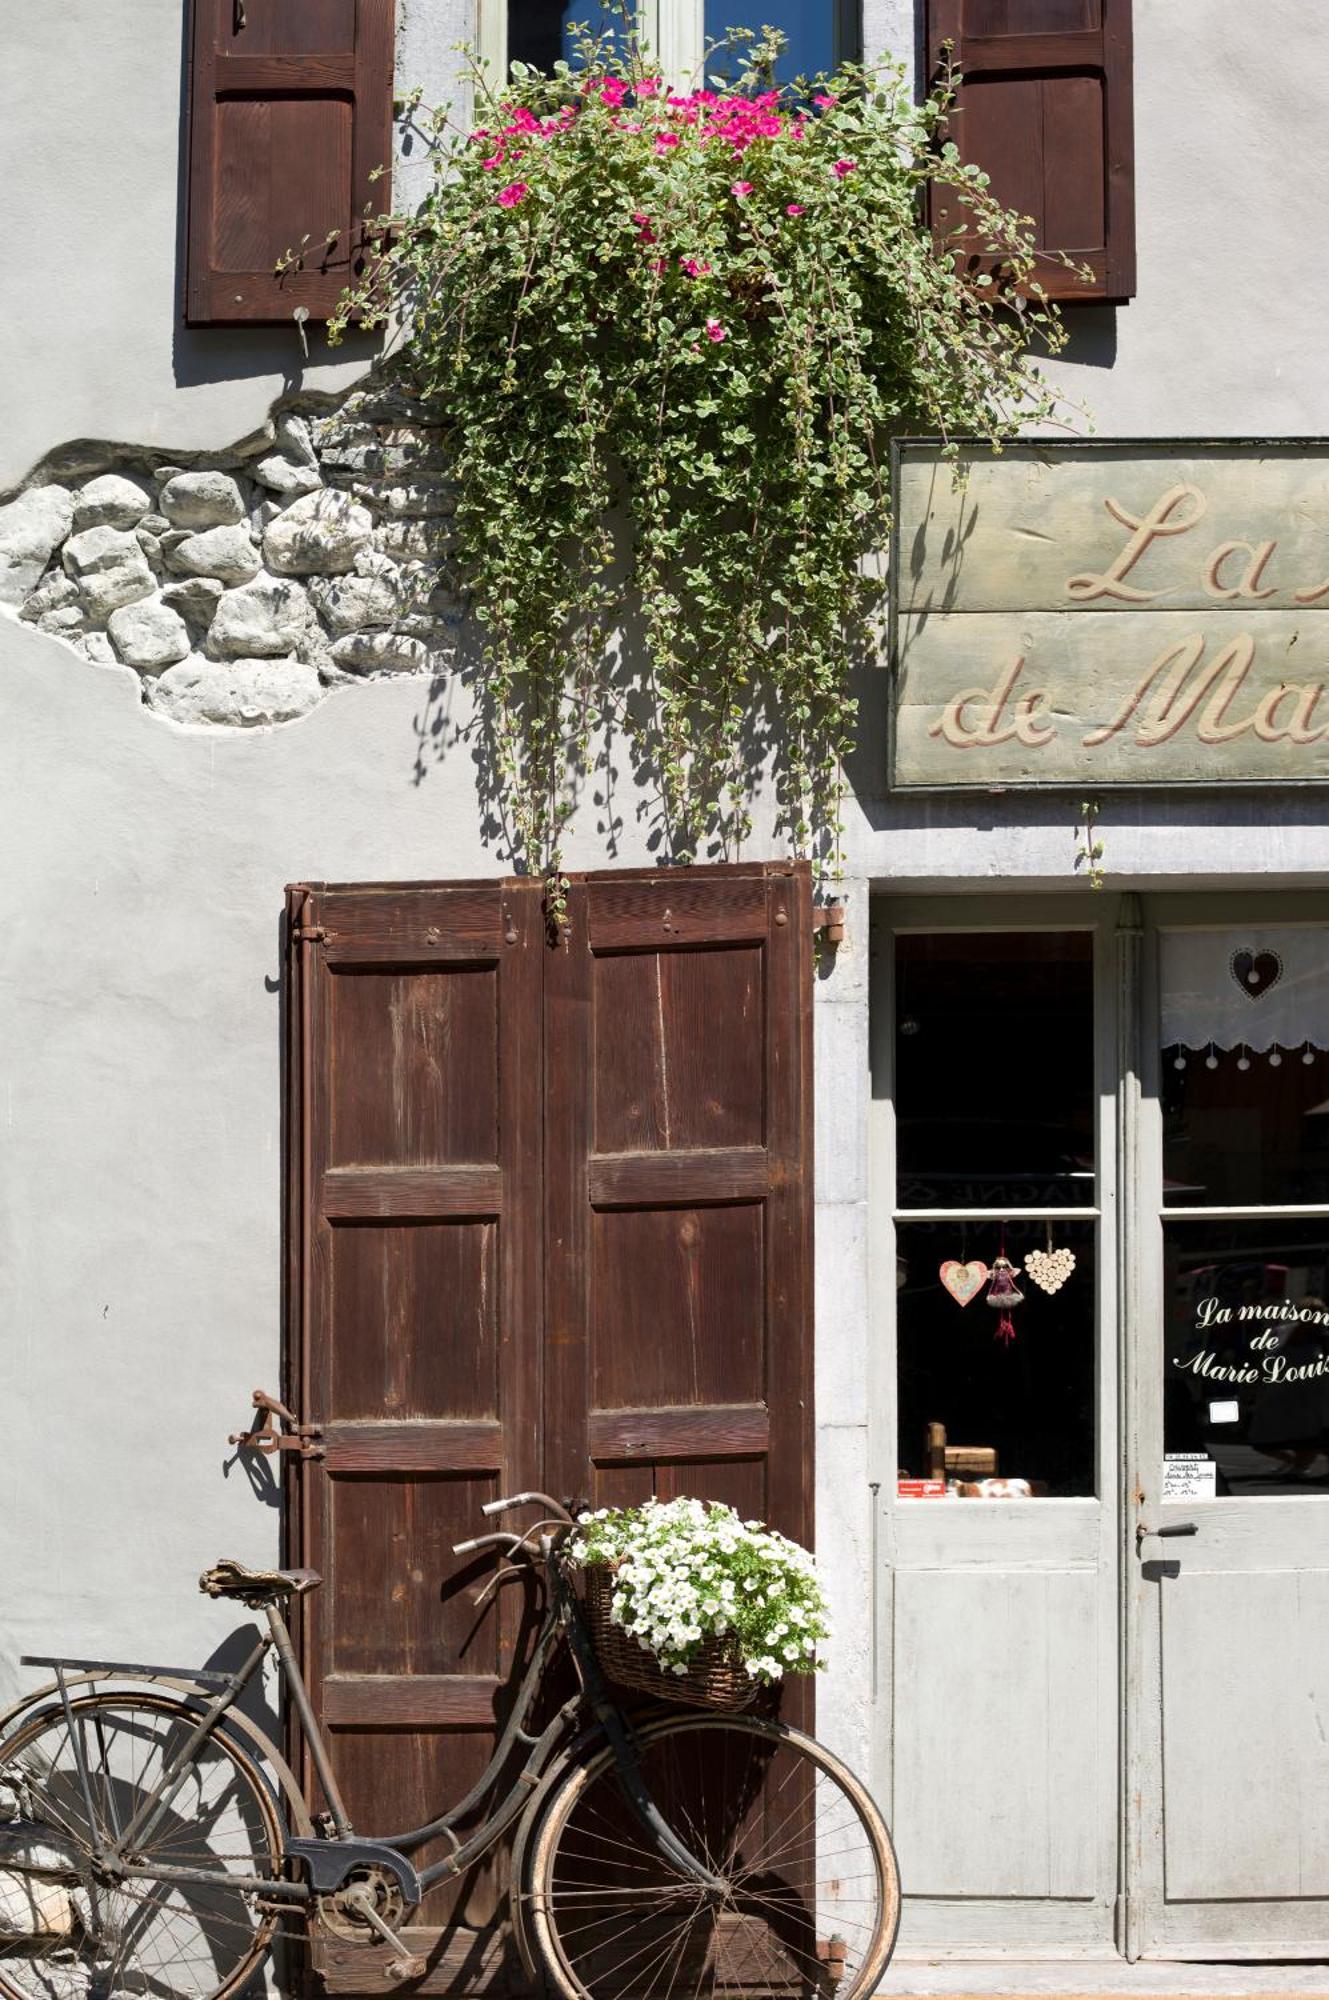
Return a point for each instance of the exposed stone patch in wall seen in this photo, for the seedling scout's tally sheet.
(241, 585)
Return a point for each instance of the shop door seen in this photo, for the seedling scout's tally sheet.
(550, 1226)
(994, 1133)
(1228, 1608)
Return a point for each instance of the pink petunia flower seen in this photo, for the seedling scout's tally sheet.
(645, 230)
(824, 101)
(715, 331)
(648, 86)
(514, 192)
(843, 167)
(740, 188)
(666, 141)
(794, 208)
(696, 267)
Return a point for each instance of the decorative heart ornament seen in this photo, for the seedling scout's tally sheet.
(964, 1281)
(1256, 971)
(1049, 1269)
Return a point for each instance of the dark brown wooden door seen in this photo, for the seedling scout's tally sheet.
(678, 1141)
(550, 1225)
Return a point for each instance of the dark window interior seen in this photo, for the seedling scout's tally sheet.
(994, 1093)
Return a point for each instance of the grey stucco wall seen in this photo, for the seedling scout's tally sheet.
(143, 864)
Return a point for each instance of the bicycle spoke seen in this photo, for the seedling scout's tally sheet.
(144, 1936)
(794, 1851)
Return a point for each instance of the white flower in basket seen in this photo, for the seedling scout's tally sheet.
(687, 1572)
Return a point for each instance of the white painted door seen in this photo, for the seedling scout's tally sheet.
(997, 1717)
(1227, 1310)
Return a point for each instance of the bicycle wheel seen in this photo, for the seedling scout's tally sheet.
(807, 1897)
(73, 1928)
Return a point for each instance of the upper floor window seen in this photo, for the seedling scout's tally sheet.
(818, 36)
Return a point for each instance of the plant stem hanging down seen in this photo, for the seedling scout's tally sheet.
(702, 313)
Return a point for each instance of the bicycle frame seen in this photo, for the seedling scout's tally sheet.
(328, 1860)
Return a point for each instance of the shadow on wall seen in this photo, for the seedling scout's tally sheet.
(201, 355)
(1092, 341)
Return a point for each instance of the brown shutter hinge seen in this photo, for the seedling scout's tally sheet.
(307, 1439)
(829, 921)
(309, 934)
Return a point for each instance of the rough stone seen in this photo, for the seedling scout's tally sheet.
(413, 541)
(66, 623)
(283, 475)
(226, 552)
(264, 619)
(148, 636)
(243, 693)
(53, 593)
(96, 646)
(110, 567)
(195, 600)
(294, 439)
(380, 653)
(152, 550)
(361, 602)
(153, 524)
(201, 500)
(320, 534)
(418, 503)
(113, 501)
(31, 528)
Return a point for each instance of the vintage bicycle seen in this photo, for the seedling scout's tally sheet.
(153, 1837)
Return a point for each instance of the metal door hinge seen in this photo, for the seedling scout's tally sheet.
(309, 933)
(306, 1439)
(830, 922)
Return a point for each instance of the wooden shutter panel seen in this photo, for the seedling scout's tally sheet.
(679, 1191)
(290, 112)
(1044, 107)
(414, 1341)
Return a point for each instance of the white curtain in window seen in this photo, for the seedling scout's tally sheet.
(1258, 987)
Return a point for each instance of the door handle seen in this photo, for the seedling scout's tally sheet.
(1171, 1531)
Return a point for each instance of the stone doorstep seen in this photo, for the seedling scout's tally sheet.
(927, 1977)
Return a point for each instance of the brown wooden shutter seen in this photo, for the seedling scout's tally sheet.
(415, 1318)
(1045, 109)
(290, 113)
(679, 1191)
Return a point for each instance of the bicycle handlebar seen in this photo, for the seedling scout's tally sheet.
(545, 1500)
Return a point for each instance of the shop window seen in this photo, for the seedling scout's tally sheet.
(996, 1216)
(1245, 1092)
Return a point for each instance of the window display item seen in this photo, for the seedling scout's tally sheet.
(1003, 1294)
(964, 1282)
(1049, 1268)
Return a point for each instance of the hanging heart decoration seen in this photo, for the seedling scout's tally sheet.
(1049, 1269)
(1256, 971)
(964, 1281)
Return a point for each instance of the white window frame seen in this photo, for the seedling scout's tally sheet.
(673, 29)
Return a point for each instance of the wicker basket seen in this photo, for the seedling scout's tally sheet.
(716, 1677)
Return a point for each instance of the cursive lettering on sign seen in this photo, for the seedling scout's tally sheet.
(1160, 616)
(1162, 519)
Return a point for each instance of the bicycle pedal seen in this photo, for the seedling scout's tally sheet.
(408, 1967)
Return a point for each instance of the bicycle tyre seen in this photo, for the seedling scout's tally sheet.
(811, 1895)
(65, 1934)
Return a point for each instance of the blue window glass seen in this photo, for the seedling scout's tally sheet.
(813, 30)
(540, 31)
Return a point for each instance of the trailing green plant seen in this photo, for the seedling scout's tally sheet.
(671, 333)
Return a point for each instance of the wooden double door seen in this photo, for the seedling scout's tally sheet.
(550, 1226)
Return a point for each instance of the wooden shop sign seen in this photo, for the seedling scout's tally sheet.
(1111, 614)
